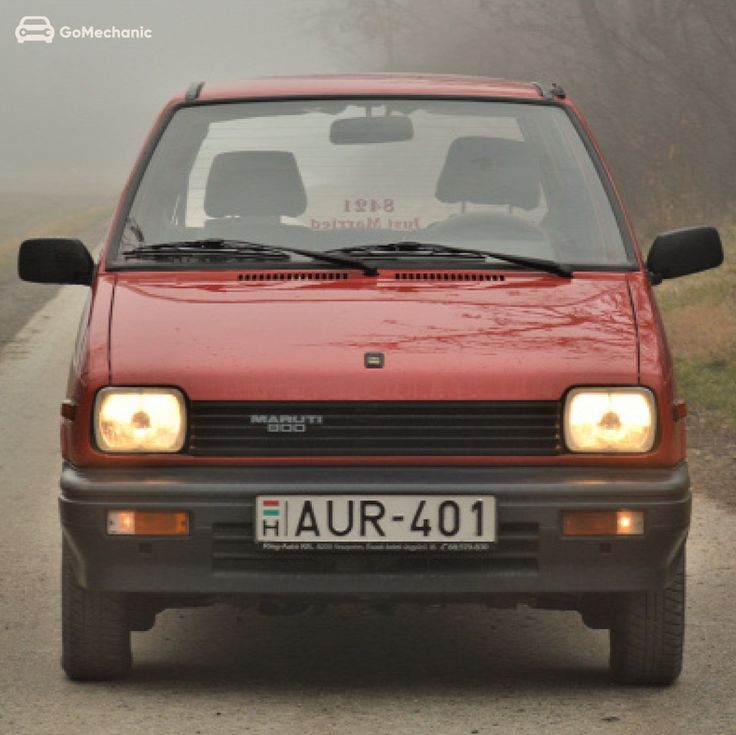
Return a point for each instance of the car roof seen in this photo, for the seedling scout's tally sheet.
(339, 85)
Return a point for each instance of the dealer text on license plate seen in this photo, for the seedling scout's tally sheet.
(375, 519)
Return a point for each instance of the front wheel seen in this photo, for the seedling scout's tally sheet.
(647, 633)
(94, 629)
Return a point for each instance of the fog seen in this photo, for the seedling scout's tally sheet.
(652, 76)
(75, 111)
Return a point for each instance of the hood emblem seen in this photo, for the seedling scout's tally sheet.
(373, 359)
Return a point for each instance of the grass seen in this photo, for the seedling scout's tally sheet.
(699, 313)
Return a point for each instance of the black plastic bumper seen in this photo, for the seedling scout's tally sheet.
(218, 558)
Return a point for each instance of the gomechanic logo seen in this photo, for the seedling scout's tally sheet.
(39, 28)
(34, 28)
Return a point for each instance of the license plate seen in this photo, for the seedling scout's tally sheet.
(375, 520)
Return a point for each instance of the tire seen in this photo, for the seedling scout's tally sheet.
(95, 639)
(648, 632)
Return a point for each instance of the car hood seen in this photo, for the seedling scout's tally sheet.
(520, 337)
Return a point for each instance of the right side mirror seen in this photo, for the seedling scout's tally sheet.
(681, 252)
(55, 260)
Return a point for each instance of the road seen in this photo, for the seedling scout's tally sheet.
(450, 671)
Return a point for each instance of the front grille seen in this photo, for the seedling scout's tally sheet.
(516, 551)
(327, 428)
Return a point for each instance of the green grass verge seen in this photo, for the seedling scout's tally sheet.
(709, 386)
(700, 316)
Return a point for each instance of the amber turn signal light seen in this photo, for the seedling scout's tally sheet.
(602, 523)
(147, 523)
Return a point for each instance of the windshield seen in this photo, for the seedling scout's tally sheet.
(330, 174)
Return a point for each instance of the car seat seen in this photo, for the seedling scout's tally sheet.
(248, 192)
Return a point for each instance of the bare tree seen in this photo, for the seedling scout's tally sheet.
(653, 76)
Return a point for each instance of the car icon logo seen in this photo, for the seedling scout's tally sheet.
(34, 28)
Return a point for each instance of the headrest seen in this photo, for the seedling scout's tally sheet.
(254, 183)
(483, 170)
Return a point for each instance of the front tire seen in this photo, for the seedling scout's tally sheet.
(648, 632)
(94, 625)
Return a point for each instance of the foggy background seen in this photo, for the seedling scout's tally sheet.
(654, 78)
(75, 112)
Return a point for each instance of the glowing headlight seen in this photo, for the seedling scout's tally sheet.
(140, 420)
(610, 420)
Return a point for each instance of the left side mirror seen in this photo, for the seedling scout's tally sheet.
(55, 260)
(681, 252)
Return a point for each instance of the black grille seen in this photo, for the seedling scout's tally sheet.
(516, 550)
(446, 428)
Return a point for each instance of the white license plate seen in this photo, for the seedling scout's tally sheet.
(375, 519)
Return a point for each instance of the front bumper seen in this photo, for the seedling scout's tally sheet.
(218, 558)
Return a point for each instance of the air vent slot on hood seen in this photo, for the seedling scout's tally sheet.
(270, 277)
(429, 276)
(294, 276)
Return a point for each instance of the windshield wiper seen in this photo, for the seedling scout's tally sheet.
(410, 249)
(242, 249)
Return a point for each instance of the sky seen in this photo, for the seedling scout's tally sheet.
(75, 112)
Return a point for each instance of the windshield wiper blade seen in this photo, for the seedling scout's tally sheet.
(203, 247)
(430, 249)
(243, 249)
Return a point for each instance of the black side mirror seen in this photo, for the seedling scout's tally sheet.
(681, 252)
(55, 260)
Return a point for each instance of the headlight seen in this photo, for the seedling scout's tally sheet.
(610, 420)
(140, 420)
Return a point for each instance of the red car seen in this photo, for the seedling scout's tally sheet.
(376, 339)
